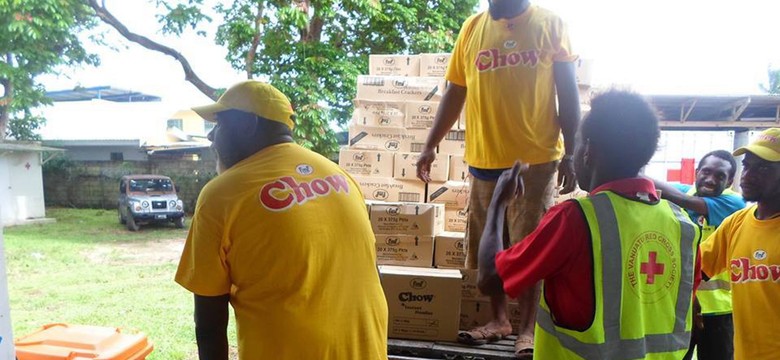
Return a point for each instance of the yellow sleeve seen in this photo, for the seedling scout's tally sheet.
(715, 249)
(203, 268)
(560, 41)
(456, 70)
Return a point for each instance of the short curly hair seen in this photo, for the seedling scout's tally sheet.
(623, 128)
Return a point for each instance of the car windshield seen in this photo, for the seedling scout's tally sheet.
(151, 185)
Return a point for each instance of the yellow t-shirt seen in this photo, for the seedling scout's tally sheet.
(750, 250)
(507, 68)
(286, 233)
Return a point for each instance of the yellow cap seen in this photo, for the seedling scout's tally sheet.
(767, 146)
(253, 97)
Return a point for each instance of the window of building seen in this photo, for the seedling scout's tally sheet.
(117, 156)
(176, 123)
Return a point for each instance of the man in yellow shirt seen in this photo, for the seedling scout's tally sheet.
(282, 235)
(508, 65)
(747, 244)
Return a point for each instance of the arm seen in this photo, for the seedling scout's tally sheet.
(211, 320)
(448, 113)
(568, 118)
(692, 203)
(508, 186)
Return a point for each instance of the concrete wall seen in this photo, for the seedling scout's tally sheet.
(103, 153)
(21, 187)
(95, 184)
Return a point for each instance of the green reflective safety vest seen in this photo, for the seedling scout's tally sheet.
(715, 294)
(643, 270)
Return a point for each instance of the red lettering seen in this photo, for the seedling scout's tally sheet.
(339, 183)
(320, 187)
(530, 58)
(499, 60)
(775, 272)
(762, 272)
(736, 271)
(514, 59)
(749, 271)
(482, 65)
(302, 191)
(271, 202)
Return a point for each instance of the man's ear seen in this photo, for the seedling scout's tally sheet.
(244, 127)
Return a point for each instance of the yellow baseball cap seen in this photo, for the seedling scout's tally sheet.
(767, 146)
(253, 97)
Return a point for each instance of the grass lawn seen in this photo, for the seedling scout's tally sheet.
(88, 269)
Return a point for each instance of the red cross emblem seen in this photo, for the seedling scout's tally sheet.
(651, 268)
(27, 166)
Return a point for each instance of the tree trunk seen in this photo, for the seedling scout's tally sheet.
(189, 73)
(250, 55)
(5, 101)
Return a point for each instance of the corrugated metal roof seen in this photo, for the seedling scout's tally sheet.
(101, 92)
(7, 145)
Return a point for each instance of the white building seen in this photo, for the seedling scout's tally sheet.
(21, 182)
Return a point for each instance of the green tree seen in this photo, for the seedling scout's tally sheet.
(312, 50)
(36, 37)
(773, 82)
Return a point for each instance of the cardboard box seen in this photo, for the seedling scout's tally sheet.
(474, 313)
(454, 143)
(434, 64)
(459, 170)
(389, 189)
(449, 250)
(407, 218)
(379, 113)
(366, 162)
(455, 219)
(405, 167)
(404, 250)
(420, 114)
(386, 138)
(399, 88)
(423, 304)
(584, 71)
(469, 289)
(401, 65)
(515, 314)
(451, 193)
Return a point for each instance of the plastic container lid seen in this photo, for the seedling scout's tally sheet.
(82, 342)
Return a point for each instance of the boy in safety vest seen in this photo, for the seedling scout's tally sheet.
(620, 266)
(709, 203)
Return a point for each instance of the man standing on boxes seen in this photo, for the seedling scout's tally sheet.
(619, 266)
(507, 67)
(747, 245)
(276, 235)
(709, 203)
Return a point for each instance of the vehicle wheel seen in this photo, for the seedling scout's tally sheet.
(132, 225)
(121, 218)
(179, 222)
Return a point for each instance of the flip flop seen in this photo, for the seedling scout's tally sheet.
(479, 336)
(524, 347)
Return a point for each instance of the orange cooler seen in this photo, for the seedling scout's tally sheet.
(81, 342)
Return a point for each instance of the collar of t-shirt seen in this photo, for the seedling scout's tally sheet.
(638, 188)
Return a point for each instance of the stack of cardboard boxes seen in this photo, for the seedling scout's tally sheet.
(419, 227)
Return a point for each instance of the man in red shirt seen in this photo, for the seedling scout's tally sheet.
(616, 139)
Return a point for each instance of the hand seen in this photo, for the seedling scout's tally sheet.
(424, 164)
(698, 319)
(510, 183)
(566, 177)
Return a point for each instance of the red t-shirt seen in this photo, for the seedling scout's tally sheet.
(559, 252)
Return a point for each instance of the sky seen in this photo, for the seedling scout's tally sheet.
(702, 47)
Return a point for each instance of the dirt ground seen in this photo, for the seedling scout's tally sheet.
(140, 253)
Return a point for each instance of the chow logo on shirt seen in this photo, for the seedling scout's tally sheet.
(493, 59)
(283, 193)
(742, 271)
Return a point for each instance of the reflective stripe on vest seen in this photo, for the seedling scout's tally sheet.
(614, 347)
(714, 294)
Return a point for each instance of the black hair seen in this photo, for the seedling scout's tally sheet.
(723, 155)
(622, 127)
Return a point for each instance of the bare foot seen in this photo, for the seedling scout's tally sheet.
(492, 331)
